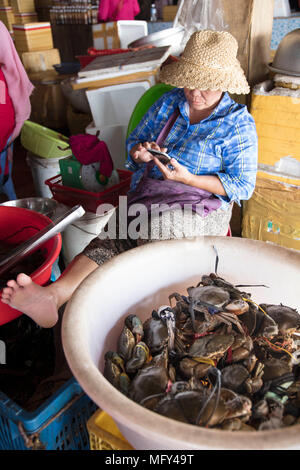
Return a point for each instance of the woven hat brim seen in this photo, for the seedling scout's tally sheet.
(182, 74)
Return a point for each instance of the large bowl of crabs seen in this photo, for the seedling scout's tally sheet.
(192, 344)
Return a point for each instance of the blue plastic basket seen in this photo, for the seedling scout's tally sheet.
(58, 424)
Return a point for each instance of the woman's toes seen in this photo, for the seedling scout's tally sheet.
(13, 284)
(7, 292)
(23, 280)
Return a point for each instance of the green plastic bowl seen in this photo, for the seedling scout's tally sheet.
(145, 102)
(44, 142)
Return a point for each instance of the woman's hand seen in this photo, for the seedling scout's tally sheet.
(140, 154)
(210, 183)
(179, 173)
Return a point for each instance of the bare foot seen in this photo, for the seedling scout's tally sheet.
(39, 303)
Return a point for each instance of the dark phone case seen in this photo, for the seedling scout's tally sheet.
(163, 157)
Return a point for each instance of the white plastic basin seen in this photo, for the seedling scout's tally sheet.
(140, 280)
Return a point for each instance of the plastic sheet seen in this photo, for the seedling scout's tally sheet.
(196, 15)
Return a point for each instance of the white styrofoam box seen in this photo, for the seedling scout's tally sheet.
(115, 139)
(281, 8)
(105, 36)
(129, 31)
(114, 104)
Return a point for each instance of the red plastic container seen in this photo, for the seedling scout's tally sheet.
(89, 200)
(85, 59)
(12, 220)
(93, 53)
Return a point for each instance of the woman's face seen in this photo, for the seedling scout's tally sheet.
(202, 99)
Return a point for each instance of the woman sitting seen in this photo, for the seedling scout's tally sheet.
(212, 143)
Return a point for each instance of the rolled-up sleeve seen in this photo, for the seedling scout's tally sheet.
(239, 161)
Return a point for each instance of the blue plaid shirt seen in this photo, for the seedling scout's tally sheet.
(223, 144)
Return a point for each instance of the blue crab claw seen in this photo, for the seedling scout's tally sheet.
(166, 314)
(114, 372)
(192, 313)
(134, 323)
(125, 344)
(212, 309)
(140, 356)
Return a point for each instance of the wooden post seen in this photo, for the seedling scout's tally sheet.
(260, 40)
(251, 23)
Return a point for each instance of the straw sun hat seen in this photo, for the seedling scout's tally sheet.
(208, 62)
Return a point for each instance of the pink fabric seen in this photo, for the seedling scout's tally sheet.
(89, 149)
(114, 10)
(19, 86)
(7, 113)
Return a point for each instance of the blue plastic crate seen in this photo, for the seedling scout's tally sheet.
(58, 424)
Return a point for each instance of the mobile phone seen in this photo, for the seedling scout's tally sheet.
(162, 156)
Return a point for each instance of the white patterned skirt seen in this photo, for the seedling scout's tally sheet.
(167, 225)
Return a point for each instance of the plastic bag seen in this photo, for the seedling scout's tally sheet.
(196, 15)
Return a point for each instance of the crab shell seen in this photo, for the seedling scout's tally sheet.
(210, 294)
(126, 343)
(211, 346)
(231, 405)
(135, 324)
(234, 377)
(286, 318)
(190, 367)
(150, 380)
(184, 406)
(274, 368)
(155, 334)
(139, 357)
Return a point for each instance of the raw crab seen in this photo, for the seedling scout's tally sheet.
(215, 358)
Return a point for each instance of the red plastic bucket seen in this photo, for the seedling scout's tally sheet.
(12, 221)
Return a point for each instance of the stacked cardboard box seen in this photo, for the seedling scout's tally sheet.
(39, 61)
(23, 18)
(31, 37)
(169, 12)
(35, 46)
(24, 11)
(273, 212)
(7, 16)
(105, 35)
(276, 112)
(23, 6)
